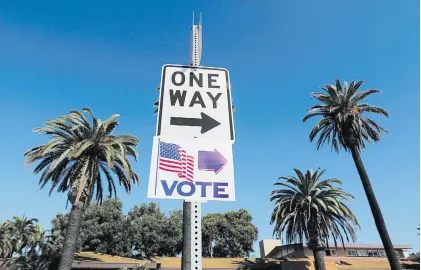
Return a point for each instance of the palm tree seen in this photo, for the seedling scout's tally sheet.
(23, 233)
(312, 209)
(6, 246)
(42, 244)
(80, 158)
(24, 237)
(27, 262)
(344, 126)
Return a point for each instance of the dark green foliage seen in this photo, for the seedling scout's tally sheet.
(28, 262)
(309, 208)
(211, 224)
(154, 234)
(6, 246)
(100, 230)
(230, 234)
(24, 245)
(81, 154)
(19, 236)
(58, 231)
(173, 232)
(101, 227)
(343, 121)
(146, 231)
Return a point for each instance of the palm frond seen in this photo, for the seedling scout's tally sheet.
(79, 151)
(343, 122)
(307, 206)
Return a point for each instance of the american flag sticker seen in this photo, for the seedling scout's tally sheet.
(173, 158)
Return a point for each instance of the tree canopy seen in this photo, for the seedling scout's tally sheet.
(80, 155)
(25, 246)
(147, 231)
(144, 231)
(343, 122)
(307, 207)
(229, 234)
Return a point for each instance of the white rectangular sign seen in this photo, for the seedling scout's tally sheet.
(195, 169)
(195, 102)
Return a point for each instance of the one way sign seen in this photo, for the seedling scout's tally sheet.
(195, 102)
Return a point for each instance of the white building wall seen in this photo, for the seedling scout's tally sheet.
(267, 245)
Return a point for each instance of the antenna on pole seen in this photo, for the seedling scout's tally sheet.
(196, 42)
(200, 35)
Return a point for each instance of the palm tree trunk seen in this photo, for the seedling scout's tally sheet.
(319, 259)
(72, 233)
(317, 246)
(375, 209)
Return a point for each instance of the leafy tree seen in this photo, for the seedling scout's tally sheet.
(123, 241)
(307, 207)
(154, 234)
(101, 226)
(211, 224)
(77, 158)
(344, 124)
(58, 231)
(42, 244)
(230, 234)
(103, 229)
(145, 231)
(238, 236)
(173, 234)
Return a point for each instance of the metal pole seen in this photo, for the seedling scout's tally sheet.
(192, 236)
(186, 253)
(192, 216)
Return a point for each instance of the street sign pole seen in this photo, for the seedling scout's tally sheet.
(192, 216)
(192, 150)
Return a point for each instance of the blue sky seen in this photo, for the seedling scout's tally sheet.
(55, 57)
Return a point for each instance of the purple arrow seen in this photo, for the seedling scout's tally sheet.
(211, 161)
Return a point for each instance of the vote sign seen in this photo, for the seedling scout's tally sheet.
(195, 102)
(199, 170)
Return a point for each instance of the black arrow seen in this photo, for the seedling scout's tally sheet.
(206, 122)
